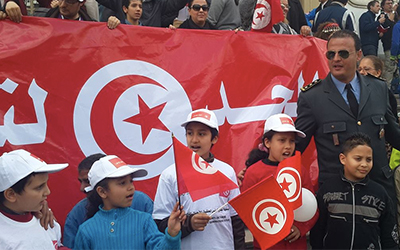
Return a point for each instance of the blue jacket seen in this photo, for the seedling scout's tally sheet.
(335, 13)
(368, 29)
(123, 228)
(395, 49)
(77, 215)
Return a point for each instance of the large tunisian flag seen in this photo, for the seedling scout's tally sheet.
(70, 89)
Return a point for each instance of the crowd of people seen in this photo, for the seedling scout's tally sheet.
(351, 114)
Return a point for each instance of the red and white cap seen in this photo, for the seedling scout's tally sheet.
(17, 164)
(281, 123)
(204, 116)
(111, 166)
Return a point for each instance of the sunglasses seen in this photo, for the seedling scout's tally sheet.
(197, 7)
(342, 53)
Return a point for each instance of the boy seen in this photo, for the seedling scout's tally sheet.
(133, 12)
(225, 230)
(77, 215)
(23, 190)
(355, 212)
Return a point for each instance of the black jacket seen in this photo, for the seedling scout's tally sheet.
(189, 24)
(55, 13)
(354, 216)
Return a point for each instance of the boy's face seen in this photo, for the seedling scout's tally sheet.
(83, 179)
(281, 146)
(357, 163)
(198, 138)
(34, 194)
(134, 9)
(119, 194)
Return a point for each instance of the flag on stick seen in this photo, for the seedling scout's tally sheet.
(288, 175)
(196, 176)
(266, 211)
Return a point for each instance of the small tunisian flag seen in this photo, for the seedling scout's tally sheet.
(196, 176)
(266, 212)
(288, 175)
(266, 14)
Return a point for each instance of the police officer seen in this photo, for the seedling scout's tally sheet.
(343, 103)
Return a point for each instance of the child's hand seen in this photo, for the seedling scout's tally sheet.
(46, 216)
(199, 221)
(240, 176)
(294, 234)
(177, 217)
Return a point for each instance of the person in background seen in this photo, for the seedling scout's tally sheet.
(368, 27)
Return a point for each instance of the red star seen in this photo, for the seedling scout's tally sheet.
(271, 220)
(260, 15)
(147, 118)
(285, 185)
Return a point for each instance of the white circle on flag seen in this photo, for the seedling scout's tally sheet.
(292, 176)
(168, 91)
(261, 16)
(201, 165)
(269, 216)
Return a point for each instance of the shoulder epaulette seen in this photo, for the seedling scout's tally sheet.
(375, 77)
(309, 86)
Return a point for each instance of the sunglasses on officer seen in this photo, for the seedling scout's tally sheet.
(344, 54)
(197, 7)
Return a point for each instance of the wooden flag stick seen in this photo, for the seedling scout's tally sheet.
(219, 209)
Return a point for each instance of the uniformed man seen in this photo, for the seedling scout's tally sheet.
(343, 103)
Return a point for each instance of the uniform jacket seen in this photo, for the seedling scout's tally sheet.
(335, 13)
(354, 216)
(323, 113)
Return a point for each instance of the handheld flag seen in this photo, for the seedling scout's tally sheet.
(288, 175)
(266, 212)
(266, 14)
(196, 176)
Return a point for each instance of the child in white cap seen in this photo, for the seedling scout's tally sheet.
(112, 223)
(23, 190)
(277, 144)
(224, 230)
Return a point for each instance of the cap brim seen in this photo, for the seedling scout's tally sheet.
(51, 168)
(208, 124)
(285, 129)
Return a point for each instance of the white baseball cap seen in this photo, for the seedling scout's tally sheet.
(111, 166)
(17, 164)
(281, 123)
(204, 116)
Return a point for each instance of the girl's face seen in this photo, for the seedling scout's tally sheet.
(119, 193)
(281, 146)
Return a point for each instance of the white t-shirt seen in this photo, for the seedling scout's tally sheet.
(218, 232)
(28, 235)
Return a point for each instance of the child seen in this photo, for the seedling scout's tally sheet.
(77, 215)
(133, 12)
(355, 212)
(112, 223)
(225, 230)
(278, 143)
(23, 190)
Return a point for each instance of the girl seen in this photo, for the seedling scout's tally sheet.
(277, 144)
(112, 224)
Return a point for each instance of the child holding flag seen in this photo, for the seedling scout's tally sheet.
(222, 231)
(112, 223)
(278, 144)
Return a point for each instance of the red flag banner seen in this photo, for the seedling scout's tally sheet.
(70, 89)
(266, 212)
(196, 176)
(288, 175)
(266, 14)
